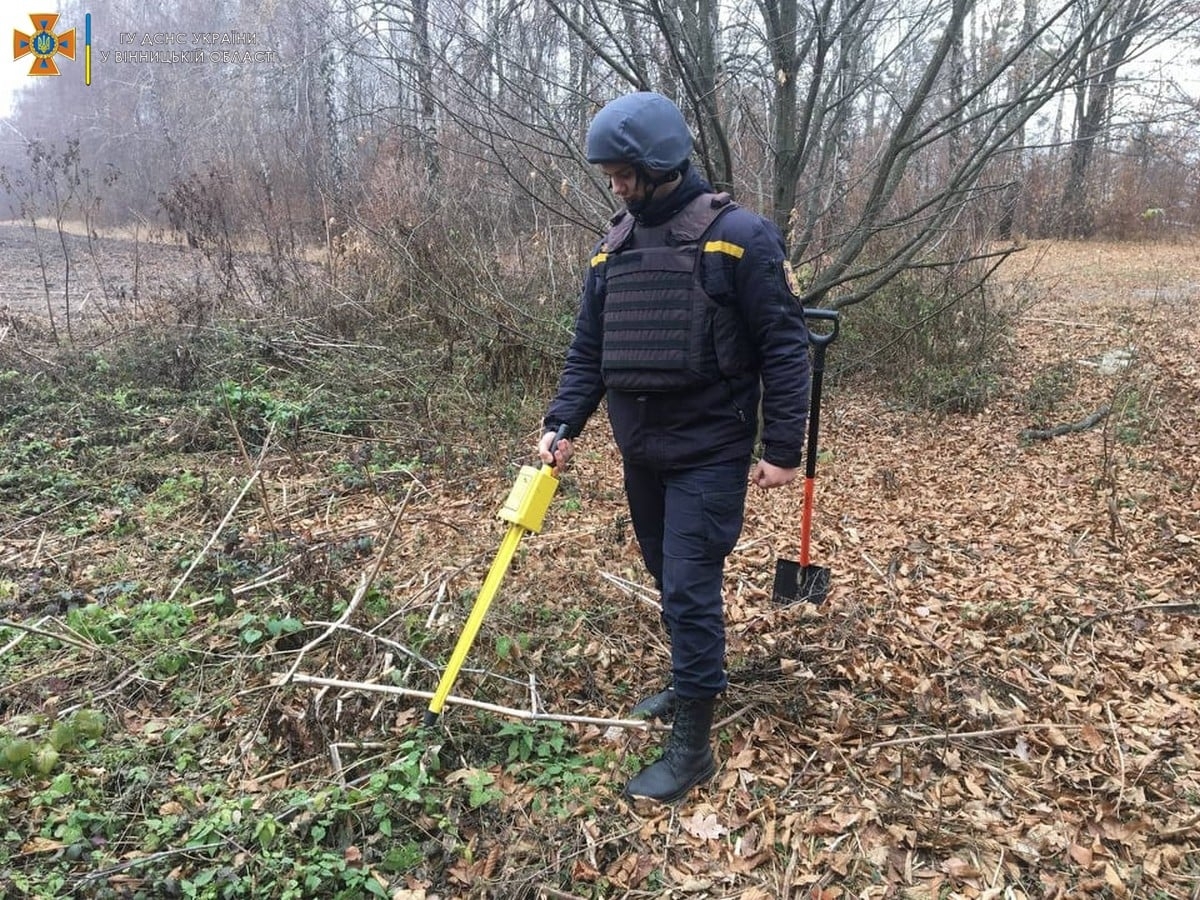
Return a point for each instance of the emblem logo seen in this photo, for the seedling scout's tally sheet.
(44, 44)
(793, 283)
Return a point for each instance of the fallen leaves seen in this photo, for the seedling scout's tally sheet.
(704, 826)
(41, 845)
(997, 701)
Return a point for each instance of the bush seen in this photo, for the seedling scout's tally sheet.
(933, 339)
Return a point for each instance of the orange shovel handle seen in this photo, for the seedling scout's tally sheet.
(806, 521)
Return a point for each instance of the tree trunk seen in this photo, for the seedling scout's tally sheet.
(429, 137)
(1102, 54)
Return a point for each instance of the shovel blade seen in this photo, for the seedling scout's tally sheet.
(795, 583)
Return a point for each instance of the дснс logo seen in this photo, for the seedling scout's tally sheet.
(44, 44)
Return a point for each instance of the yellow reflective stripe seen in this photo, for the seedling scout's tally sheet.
(724, 247)
(599, 258)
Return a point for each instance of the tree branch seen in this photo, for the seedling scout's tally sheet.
(1045, 434)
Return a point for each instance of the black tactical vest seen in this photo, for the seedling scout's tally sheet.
(662, 331)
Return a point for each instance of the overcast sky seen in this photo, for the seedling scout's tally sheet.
(14, 74)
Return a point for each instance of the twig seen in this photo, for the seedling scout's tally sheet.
(20, 637)
(287, 770)
(1063, 322)
(555, 894)
(589, 850)
(363, 586)
(441, 592)
(968, 735)
(29, 520)
(1186, 607)
(32, 629)
(878, 571)
(1186, 828)
(1112, 724)
(1044, 434)
(143, 860)
(267, 579)
(335, 755)
(635, 590)
(45, 362)
(999, 868)
(640, 724)
(734, 716)
(255, 467)
(789, 872)
(437, 602)
(387, 642)
(213, 539)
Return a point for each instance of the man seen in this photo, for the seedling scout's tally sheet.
(687, 319)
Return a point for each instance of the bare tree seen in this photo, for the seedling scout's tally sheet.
(1109, 38)
(885, 122)
(878, 134)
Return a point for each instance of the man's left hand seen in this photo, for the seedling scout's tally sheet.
(766, 475)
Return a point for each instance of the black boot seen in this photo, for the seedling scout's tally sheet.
(687, 760)
(661, 706)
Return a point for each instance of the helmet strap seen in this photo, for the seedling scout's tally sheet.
(652, 184)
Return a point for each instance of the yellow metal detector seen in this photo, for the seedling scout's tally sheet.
(525, 509)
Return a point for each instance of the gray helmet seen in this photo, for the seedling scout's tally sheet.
(642, 128)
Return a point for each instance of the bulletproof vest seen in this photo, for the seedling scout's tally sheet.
(662, 331)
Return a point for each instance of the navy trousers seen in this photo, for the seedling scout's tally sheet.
(687, 522)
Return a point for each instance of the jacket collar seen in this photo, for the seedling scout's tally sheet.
(659, 212)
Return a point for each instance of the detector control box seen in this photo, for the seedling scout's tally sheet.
(530, 498)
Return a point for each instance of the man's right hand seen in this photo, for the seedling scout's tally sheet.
(562, 450)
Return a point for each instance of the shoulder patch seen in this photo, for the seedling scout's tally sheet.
(726, 247)
(789, 276)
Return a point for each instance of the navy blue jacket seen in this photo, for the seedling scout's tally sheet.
(742, 264)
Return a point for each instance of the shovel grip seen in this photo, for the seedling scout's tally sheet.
(822, 339)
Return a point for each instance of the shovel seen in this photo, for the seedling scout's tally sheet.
(803, 581)
(525, 509)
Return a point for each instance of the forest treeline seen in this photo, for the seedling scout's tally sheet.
(433, 147)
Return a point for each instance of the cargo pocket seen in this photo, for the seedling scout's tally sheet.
(723, 512)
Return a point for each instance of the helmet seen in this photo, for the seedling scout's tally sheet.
(643, 128)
